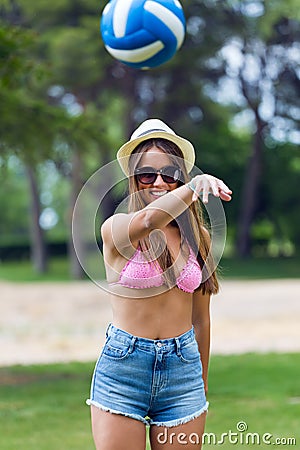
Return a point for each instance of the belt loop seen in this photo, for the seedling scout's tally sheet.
(131, 348)
(177, 347)
(108, 329)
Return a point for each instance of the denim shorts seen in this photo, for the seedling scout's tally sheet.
(158, 382)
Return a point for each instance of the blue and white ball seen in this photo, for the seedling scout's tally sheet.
(143, 33)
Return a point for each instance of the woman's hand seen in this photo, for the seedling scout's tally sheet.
(207, 184)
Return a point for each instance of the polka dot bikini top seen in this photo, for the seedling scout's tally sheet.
(138, 273)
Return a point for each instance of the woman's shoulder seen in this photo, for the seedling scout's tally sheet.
(115, 233)
(118, 219)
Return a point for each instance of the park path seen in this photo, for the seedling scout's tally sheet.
(53, 322)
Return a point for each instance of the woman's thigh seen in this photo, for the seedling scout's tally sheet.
(117, 432)
(187, 436)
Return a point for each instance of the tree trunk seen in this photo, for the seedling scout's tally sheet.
(108, 204)
(38, 250)
(249, 198)
(76, 269)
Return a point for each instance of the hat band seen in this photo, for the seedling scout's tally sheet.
(151, 131)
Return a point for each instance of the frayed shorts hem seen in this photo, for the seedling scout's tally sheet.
(114, 411)
(181, 421)
(169, 423)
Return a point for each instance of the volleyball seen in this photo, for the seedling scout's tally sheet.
(143, 33)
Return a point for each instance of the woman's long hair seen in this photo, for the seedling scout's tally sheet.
(190, 222)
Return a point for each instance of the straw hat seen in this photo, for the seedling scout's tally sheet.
(155, 128)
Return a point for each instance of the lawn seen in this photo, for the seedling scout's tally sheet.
(43, 407)
(22, 271)
(229, 268)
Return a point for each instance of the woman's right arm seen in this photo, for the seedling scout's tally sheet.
(122, 231)
(125, 230)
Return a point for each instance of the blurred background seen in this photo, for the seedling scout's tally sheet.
(233, 89)
(66, 106)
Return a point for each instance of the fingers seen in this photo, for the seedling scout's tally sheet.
(224, 196)
(208, 184)
(195, 197)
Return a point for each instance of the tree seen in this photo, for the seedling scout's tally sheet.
(99, 101)
(262, 64)
(17, 74)
(39, 125)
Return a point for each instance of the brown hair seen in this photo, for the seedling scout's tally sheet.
(190, 222)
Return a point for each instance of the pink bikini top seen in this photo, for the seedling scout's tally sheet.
(138, 273)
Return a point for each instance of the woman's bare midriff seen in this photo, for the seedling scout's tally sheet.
(161, 316)
(152, 313)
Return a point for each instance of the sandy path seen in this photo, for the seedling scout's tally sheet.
(49, 322)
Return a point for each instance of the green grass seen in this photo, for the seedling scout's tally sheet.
(261, 390)
(258, 268)
(22, 271)
(43, 407)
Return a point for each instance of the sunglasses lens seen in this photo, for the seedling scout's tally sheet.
(146, 178)
(171, 174)
(146, 175)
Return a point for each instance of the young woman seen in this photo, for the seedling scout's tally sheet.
(153, 367)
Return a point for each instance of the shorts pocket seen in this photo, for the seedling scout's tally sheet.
(190, 353)
(115, 349)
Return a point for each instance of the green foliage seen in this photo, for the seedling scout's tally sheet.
(15, 68)
(25, 118)
(75, 54)
(275, 10)
(280, 200)
(259, 268)
(58, 44)
(14, 220)
(43, 15)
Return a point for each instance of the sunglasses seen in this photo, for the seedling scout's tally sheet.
(148, 175)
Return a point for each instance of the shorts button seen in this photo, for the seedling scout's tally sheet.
(159, 344)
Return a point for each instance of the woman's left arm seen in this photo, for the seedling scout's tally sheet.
(201, 323)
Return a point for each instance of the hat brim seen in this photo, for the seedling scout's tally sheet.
(185, 146)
